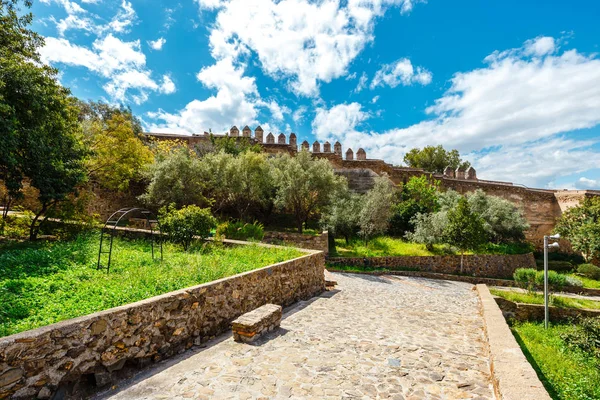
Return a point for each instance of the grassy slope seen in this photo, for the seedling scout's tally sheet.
(43, 283)
(557, 301)
(587, 282)
(567, 373)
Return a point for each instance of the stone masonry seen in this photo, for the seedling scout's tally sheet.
(252, 325)
(41, 361)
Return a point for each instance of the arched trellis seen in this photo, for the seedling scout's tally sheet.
(109, 230)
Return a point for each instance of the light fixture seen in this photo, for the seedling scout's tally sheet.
(555, 244)
(557, 236)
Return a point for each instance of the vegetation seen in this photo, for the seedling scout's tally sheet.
(589, 271)
(464, 229)
(528, 278)
(183, 226)
(375, 214)
(341, 218)
(556, 301)
(586, 282)
(434, 159)
(581, 226)
(385, 246)
(240, 230)
(566, 371)
(418, 196)
(46, 282)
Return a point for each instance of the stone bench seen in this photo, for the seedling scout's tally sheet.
(250, 326)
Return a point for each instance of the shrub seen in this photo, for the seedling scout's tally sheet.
(572, 281)
(241, 231)
(181, 226)
(525, 277)
(16, 227)
(558, 266)
(554, 279)
(585, 335)
(589, 271)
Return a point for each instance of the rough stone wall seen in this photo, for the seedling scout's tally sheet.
(311, 242)
(492, 266)
(40, 361)
(535, 312)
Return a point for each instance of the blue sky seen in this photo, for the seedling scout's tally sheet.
(514, 85)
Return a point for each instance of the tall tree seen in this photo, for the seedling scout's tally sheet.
(341, 217)
(304, 185)
(434, 159)
(374, 218)
(418, 196)
(464, 229)
(581, 226)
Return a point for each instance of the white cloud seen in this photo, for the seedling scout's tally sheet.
(375, 99)
(509, 115)
(338, 120)
(157, 44)
(298, 115)
(122, 63)
(400, 72)
(362, 83)
(586, 183)
(540, 46)
(298, 40)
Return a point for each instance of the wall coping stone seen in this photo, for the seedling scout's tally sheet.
(513, 376)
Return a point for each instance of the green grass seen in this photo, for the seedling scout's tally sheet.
(46, 282)
(557, 301)
(385, 246)
(566, 372)
(587, 282)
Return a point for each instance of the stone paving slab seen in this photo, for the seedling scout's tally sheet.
(372, 338)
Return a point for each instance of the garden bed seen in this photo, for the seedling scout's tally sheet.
(565, 371)
(555, 301)
(46, 282)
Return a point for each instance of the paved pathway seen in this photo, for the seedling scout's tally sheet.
(378, 337)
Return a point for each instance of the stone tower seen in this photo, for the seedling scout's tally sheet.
(258, 134)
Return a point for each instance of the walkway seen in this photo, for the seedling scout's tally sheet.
(377, 337)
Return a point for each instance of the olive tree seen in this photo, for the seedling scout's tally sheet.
(374, 217)
(464, 229)
(581, 226)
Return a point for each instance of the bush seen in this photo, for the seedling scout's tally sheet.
(181, 226)
(585, 335)
(241, 231)
(589, 271)
(525, 277)
(571, 281)
(554, 279)
(558, 266)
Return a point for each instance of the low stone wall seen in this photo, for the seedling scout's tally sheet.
(493, 266)
(61, 356)
(312, 242)
(535, 312)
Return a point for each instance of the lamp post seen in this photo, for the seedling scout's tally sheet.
(546, 247)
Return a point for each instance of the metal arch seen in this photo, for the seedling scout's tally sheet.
(110, 228)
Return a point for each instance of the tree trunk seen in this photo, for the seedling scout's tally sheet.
(299, 224)
(462, 254)
(33, 229)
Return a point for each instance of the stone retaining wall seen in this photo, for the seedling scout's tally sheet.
(535, 312)
(493, 266)
(312, 242)
(61, 356)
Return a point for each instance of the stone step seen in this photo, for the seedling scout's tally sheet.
(250, 326)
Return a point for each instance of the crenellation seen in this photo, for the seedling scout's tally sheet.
(460, 173)
(327, 147)
(361, 154)
(246, 132)
(258, 134)
(305, 145)
(270, 138)
(337, 148)
(448, 172)
(234, 131)
(471, 174)
(281, 138)
(349, 155)
(316, 147)
(293, 141)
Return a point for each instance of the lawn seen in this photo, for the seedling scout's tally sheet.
(566, 372)
(385, 246)
(46, 282)
(587, 282)
(557, 301)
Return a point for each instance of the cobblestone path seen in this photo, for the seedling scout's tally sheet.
(377, 338)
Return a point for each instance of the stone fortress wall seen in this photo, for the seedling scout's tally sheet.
(541, 206)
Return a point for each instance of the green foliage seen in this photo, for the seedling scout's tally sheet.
(383, 246)
(46, 282)
(117, 153)
(419, 196)
(559, 266)
(525, 278)
(509, 248)
(587, 282)
(581, 226)
(538, 298)
(428, 229)
(465, 228)
(377, 208)
(434, 159)
(176, 177)
(16, 227)
(184, 225)
(572, 281)
(555, 279)
(232, 145)
(585, 335)
(589, 271)
(565, 371)
(240, 230)
(304, 186)
(341, 218)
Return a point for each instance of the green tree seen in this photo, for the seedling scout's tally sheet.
(117, 154)
(304, 185)
(581, 226)
(341, 218)
(434, 159)
(428, 229)
(464, 229)
(418, 196)
(184, 225)
(375, 214)
(175, 177)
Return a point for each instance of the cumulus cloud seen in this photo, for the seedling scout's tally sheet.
(509, 115)
(400, 72)
(586, 183)
(122, 63)
(157, 44)
(80, 19)
(338, 120)
(362, 83)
